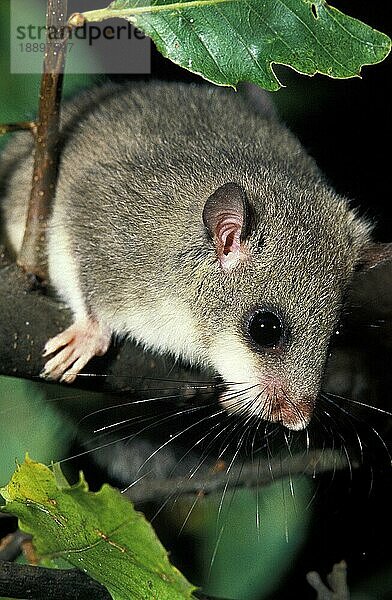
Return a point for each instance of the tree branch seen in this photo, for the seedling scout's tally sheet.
(32, 256)
(29, 318)
(250, 474)
(39, 583)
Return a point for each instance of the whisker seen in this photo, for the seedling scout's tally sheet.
(177, 435)
(383, 443)
(213, 557)
(286, 524)
(126, 438)
(133, 403)
(343, 448)
(362, 404)
(258, 501)
(360, 420)
(188, 515)
(135, 482)
(349, 420)
(172, 494)
(204, 455)
(235, 455)
(237, 406)
(177, 413)
(223, 527)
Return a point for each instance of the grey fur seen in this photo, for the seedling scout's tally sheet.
(138, 164)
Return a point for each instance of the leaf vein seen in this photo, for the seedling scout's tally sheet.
(200, 41)
(268, 26)
(362, 41)
(239, 37)
(327, 52)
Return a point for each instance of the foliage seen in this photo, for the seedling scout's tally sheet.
(228, 41)
(100, 533)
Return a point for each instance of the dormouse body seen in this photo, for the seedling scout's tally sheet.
(197, 225)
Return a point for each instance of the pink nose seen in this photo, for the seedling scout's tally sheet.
(293, 414)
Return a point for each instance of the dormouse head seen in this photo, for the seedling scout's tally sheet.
(280, 263)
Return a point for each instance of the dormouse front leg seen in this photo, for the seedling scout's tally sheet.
(74, 347)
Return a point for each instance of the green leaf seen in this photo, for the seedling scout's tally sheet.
(100, 533)
(228, 41)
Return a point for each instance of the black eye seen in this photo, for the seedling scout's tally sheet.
(266, 329)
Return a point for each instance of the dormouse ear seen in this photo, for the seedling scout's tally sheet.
(227, 216)
(374, 254)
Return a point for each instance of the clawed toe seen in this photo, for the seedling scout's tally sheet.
(73, 349)
(59, 341)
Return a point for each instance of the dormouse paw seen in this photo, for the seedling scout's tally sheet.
(73, 348)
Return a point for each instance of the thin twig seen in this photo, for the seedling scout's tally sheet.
(22, 126)
(32, 257)
(249, 475)
(12, 545)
